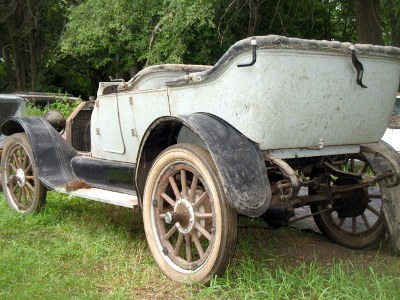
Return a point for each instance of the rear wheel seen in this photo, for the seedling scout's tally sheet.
(190, 228)
(20, 181)
(355, 220)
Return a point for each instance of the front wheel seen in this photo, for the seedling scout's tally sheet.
(190, 228)
(19, 178)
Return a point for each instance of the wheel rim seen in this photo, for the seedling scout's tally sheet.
(183, 217)
(19, 177)
(359, 212)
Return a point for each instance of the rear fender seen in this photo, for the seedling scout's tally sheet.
(239, 161)
(383, 158)
(51, 152)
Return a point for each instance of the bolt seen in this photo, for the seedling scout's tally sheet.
(168, 218)
(165, 251)
(155, 202)
(194, 266)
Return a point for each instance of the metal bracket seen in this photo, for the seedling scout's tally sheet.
(254, 51)
(358, 65)
(289, 187)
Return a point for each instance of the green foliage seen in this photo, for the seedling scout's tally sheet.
(187, 33)
(3, 76)
(62, 104)
(79, 43)
(110, 36)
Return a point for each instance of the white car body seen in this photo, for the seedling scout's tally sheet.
(299, 100)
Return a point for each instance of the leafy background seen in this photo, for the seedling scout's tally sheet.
(71, 45)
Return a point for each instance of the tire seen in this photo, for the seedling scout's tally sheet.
(192, 235)
(356, 220)
(21, 185)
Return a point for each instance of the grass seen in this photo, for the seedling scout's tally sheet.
(77, 249)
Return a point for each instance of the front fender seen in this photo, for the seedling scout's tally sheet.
(51, 152)
(239, 161)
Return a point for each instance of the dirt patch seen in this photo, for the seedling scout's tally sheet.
(292, 246)
(394, 122)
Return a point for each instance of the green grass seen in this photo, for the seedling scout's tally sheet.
(77, 249)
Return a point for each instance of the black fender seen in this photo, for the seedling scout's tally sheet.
(382, 157)
(239, 160)
(51, 152)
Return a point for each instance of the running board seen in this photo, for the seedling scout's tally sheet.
(105, 196)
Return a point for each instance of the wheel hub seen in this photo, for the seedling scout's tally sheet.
(353, 203)
(20, 176)
(182, 216)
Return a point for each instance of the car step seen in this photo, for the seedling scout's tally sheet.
(105, 196)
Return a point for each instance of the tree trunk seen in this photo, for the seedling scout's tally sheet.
(394, 24)
(19, 65)
(9, 69)
(368, 18)
(32, 61)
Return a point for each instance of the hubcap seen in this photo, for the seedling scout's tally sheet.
(20, 176)
(183, 216)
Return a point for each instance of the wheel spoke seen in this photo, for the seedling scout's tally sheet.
(170, 233)
(28, 193)
(354, 224)
(21, 157)
(199, 201)
(341, 222)
(188, 248)
(174, 187)
(168, 199)
(365, 220)
(28, 168)
(24, 197)
(193, 188)
(16, 160)
(30, 186)
(352, 167)
(203, 215)
(179, 244)
(184, 183)
(377, 213)
(13, 167)
(19, 195)
(197, 243)
(203, 231)
(364, 169)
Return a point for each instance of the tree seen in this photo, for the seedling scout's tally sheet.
(391, 26)
(71, 45)
(368, 18)
(109, 38)
(28, 29)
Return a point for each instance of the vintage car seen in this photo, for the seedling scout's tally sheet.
(194, 146)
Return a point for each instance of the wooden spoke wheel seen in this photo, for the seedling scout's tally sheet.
(20, 182)
(190, 228)
(355, 220)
